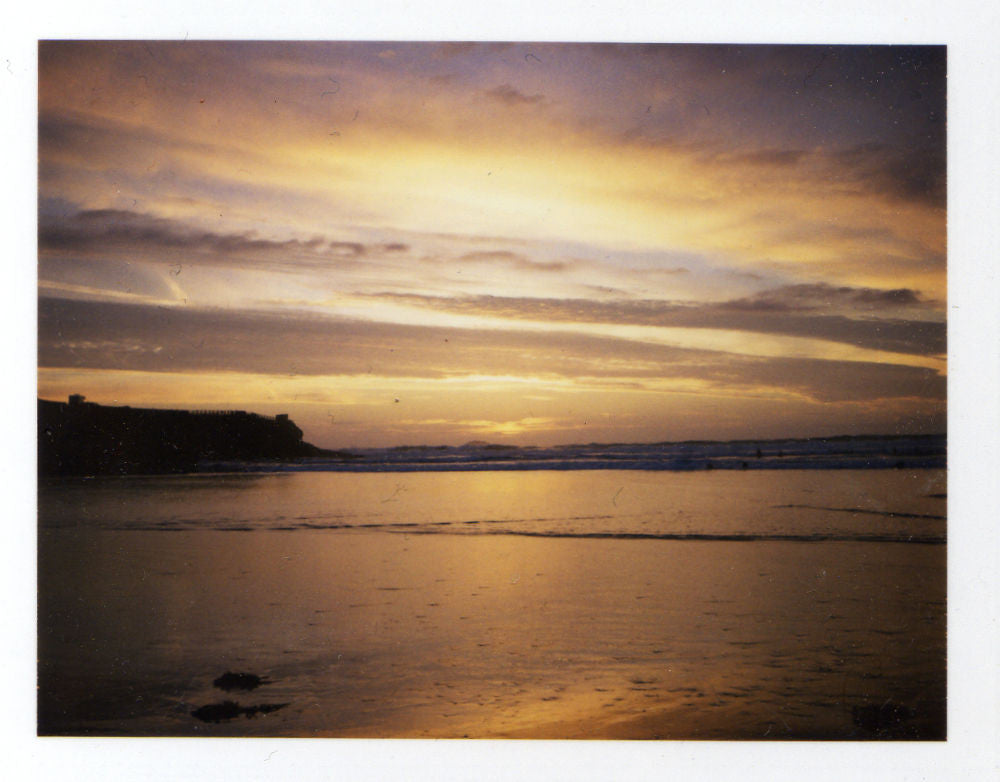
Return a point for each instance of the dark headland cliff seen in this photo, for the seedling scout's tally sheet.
(82, 438)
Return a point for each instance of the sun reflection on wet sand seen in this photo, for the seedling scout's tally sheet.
(382, 632)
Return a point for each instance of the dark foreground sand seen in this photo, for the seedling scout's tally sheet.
(376, 634)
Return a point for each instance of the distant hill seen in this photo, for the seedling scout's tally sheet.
(82, 438)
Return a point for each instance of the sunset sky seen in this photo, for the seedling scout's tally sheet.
(527, 243)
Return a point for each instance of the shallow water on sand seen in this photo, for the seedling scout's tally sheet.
(595, 604)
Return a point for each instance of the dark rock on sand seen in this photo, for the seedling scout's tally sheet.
(217, 712)
(227, 710)
(230, 681)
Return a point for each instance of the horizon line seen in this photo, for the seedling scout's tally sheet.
(487, 443)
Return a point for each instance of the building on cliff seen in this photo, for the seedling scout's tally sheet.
(81, 438)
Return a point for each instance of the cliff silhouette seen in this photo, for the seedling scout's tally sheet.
(83, 438)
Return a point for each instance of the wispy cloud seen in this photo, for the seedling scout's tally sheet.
(104, 336)
(110, 232)
(800, 311)
(516, 261)
(512, 97)
(912, 174)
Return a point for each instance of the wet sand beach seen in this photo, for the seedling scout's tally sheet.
(390, 633)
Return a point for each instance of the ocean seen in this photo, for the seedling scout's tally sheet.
(378, 596)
